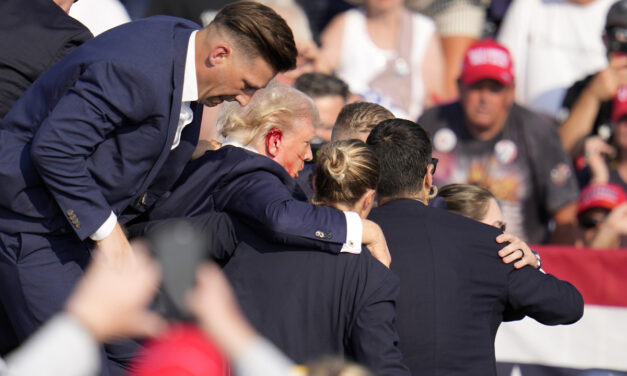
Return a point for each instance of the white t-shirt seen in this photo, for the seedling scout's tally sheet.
(361, 61)
(553, 44)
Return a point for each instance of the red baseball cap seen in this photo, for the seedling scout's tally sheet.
(619, 105)
(182, 351)
(600, 196)
(487, 60)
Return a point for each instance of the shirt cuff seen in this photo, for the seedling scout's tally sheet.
(105, 229)
(354, 230)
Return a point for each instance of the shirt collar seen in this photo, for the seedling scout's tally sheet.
(232, 142)
(190, 84)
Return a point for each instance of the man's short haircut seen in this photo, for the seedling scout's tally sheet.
(404, 152)
(259, 31)
(359, 117)
(321, 85)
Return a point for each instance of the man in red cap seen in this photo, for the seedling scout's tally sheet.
(488, 140)
(602, 214)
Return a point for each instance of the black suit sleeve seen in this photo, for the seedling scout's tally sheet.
(542, 297)
(215, 230)
(373, 337)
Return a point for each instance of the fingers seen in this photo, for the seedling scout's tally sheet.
(147, 324)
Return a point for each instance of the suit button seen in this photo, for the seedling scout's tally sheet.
(319, 234)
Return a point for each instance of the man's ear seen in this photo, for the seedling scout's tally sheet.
(273, 142)
(427, 182)
(219, 54)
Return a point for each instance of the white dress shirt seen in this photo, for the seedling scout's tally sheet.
(190, 94)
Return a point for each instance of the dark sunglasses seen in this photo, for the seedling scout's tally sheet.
(589, 222)
(434, 162)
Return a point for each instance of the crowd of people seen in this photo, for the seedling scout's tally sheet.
(254, 186)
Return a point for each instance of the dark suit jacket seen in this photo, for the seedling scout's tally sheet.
(94, 133)
(256, 190)
(455, 290)
(308, 303)
(34, 34)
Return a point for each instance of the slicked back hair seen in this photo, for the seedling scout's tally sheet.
(259, 31)
(359, 117)
(404, 152)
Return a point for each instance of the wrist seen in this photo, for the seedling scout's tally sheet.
(538, 260)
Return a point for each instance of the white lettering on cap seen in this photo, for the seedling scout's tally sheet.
(491, 56)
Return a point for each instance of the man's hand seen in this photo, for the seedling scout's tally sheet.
(596, 150)
(372, 237)
(606, 83)
(115, 247)
(617, 220)
(515, 250)
(111, 299)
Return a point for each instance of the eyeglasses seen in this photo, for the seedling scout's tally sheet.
(500, 225)
(589, 222)
(434, 163)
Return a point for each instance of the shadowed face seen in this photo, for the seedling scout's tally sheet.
(295, 146)
(486, 103)
(494, 217)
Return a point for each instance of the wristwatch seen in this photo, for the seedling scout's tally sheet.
(537, 258)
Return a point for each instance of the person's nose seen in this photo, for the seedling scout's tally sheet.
(308, 154)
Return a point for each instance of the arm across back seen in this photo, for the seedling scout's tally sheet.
(543, 297)
(261, 200)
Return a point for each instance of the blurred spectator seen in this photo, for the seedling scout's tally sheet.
(388, 55)
(602, 215)
(553, 44)
(602, 162)
(329, 93)
(109, 302)
(100, 15)
(33, 36)
(356, 120)
(488, 140)
(199, 11)
(479, 204)
(459, 23)
(587, 107)
(184, 350)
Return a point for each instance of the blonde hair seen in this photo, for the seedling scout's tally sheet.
(468, 200)
(359, 117)
(344, 171)
(275, 106)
